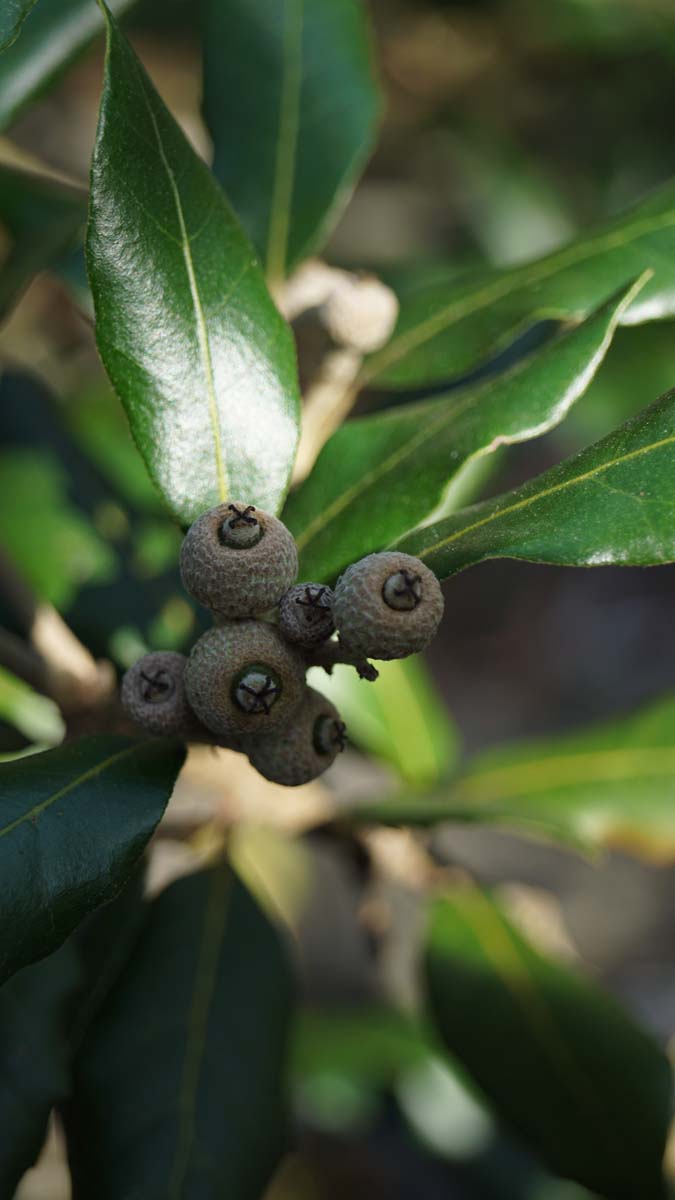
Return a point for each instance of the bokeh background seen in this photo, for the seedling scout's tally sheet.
(510, 125)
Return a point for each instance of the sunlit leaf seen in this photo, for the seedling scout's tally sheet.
(193, 344)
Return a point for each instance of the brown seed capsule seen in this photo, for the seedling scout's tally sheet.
(387, 606)
(306, 614)
(238, 560)
(243, 677)
(153, 695)
(305, 748)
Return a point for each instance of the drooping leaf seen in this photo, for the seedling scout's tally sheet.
(73, 823)
(12, 17)
(399, 718)
(49, 539)
(560, 1061)
(380, 476)
(292, 106)
(445, 329)
(193, 344)
(610, 785)
(612, 504)
(34, 1057)
(178, 1083)
(52, 37)
(40, 219)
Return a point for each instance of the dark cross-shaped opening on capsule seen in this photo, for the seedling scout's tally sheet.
(314, 599)
(340, 734)
(156, 686)
(262, 698)
(242, 517)
(409, 586)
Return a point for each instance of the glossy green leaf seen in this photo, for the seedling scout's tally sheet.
(202, 360)
(445, 329)
(291, 104)
(12, 16)
(560, 1061)
(54, 34)
(610, 785)
(35, 1008)
(179, 1081)
(39, 219)
(399, 718)
(45, 534)
(612, 504)
(74, 823)
(378, 477)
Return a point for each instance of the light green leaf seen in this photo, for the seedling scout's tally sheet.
(179, 1080)
(612, 504)
(610, 785)
(444, 329)
(52, 37)
(55, 547)
(291, 104)
(202, 360)
(399, 718)
(40, 219)
(73, 823)
(380, 476)
(36, 716)
(560, 1061)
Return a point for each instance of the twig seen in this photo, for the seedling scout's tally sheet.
(331, 653)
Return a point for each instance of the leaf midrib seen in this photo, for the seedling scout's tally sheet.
(532, 273)
(200, 317)
(542, 495)
(91, 773)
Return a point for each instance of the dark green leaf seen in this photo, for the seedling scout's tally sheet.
(41, 219)
(52, 37)
(380, 476)
(292, 107)
(611, 785)
(178, 1084)
(445, 329)
(34, 1058)
(611, 504)
(74, 822)
(12, 17)
(561, 1062)
(193, 344)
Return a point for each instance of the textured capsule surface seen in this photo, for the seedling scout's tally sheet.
(154, 696)
(306, 614)
(238, 560)
(305, 748)
(243, 677)
(387, 606)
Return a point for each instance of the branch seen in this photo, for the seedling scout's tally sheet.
(330, 653)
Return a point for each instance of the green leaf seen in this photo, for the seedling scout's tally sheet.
(560, 1061)
(12, 17)
(612, 504)
(34, 1058)
(610, 785)
(55, 547)
(399, 718)
(52, 37)
(36, 716)
(74, 822)
(202, 360)
(378, 477)
(41, 219)
(291, 104)
(445, 329)
(178, 1083)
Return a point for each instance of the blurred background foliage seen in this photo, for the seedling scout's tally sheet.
(509, 126)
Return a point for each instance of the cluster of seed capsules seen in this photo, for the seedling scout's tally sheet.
(243, 685)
